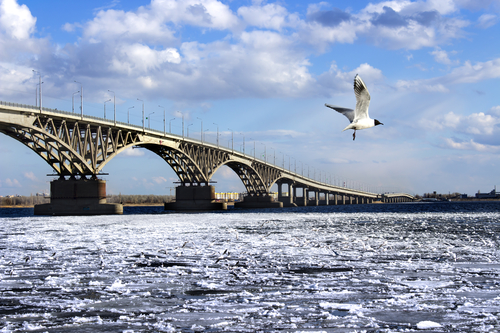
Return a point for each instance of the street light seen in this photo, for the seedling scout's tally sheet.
(128, 114)
(143, 129)
(40, 83)
(243, 142)
(253, 148)
(217, 134)
(149, 120)
(114, 106)
(188, 129)
(164, 121)
(170, 125)
(36, 93)
(265, 152)
(109, 100)
(73, 101)
(81, 97)
(204, 135)
(201, 129)
(232, 139)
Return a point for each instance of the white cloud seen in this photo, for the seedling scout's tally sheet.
(270, 16)
(12, 183)
(487, 20)
(17, 26)
(30, 175)
(336, 81)
(467, 73)
(495, 110)
(202, 13)
(132, 152)
(441, 56)
(135, 58)
(159, 180)
(475, 123)
(113, 25)
(470, 145)
(389, 24)
(16, 21)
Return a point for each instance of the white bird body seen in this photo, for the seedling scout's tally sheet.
(358, 117)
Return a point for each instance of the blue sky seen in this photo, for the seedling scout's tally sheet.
(264, 70)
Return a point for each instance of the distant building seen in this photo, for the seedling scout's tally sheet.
(463, 196)
(491, 195)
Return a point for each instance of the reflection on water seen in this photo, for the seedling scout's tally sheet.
(373, 268)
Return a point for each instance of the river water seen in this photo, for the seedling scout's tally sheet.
(430, 267)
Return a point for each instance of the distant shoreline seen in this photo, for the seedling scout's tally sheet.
(157, 204)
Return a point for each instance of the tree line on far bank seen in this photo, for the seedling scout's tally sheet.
(135, 199)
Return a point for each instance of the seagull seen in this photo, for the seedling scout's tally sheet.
(358, 117)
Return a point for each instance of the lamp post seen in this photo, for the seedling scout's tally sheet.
(40, 83)
(164, 121)
(73, 101)
(143, 125)
(109, 100)
(114, 106)
(81, 97)
(201, 129)
(170, 125)
(243, 142)
(232, 139)
(149, 120)
(217, 134)
(128, 114)
(36, 93)
(265, 152)
(204, 135)
(188, 129)
(182, 125)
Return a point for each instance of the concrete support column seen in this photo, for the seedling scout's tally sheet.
(302, 201)
(78, 197)
(343, 199)
(288, 200)
(314, 201)
(195, 198)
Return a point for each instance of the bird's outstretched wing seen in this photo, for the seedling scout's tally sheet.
(349, 113)
(362, 98)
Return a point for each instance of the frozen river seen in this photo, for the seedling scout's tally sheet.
(365, 268)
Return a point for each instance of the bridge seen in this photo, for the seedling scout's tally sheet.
(78, 147)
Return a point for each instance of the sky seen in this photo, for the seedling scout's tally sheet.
(261, 72)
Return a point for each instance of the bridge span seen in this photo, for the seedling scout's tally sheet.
(78, 147)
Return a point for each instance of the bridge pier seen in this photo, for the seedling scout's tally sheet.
(301, 201)
(192, 198)
(314, 200)
(323, 200)
(78, 197)
(288, 201)
(258, 201)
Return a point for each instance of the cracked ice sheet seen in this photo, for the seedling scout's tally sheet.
(291, 270)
